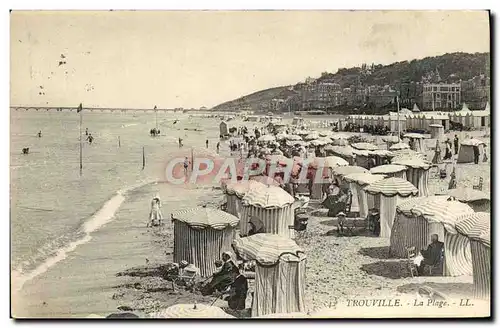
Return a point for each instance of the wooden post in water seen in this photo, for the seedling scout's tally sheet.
(143, 159)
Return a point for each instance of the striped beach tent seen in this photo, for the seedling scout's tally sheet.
(280, 273)
(417, 173)
(418, 141)
(340, 172)
(234, 193)
(441, 215)
(388, 193)
(477, 199)
(343, 151)
(191, 311)
(466, 152)
(201, 235)
(362, 158)
(381, 156)
(273, 206)
(359, 181)
(477, 227)
(409, 230)
(390, 170)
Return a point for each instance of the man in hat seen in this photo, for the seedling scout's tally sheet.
(432, 255)
(238, 291)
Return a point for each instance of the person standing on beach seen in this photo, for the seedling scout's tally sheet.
(40, 134)
(447, 154)
(476, 154)
(155, 216)
(90, 138)
(86, 131)
(186, 165)
(180, 142)
(455, 144)
(218, 146)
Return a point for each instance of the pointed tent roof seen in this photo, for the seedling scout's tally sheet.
(487, 107)
(465, 108)
(415, 109)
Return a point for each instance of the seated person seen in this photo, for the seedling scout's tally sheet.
(237, 291)
(223, 278)
(432, 255)
(336, 200)
(255, 226)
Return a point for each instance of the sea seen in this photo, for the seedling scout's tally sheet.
(57, 212)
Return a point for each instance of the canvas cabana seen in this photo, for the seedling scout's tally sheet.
(223, 129)
(381, 156)
(201, 235)
(234, 194)
(358, 181)
(388, 193)
(362, 158)
(437, 131)
(280, 273)
(466, 152)
(477, 228)
(345, 152)
(441, 216)
(477, 199)
(325, 165)
(340, 172)
(273, 206)
(390, 171)
(390, 140)
(409, 230)
(417, 173)
(418, 142)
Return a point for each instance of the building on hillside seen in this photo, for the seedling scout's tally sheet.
(436, 96)
(476, 91)
(275, 105)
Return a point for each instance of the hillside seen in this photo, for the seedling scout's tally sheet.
(452, 67)
(253, 100)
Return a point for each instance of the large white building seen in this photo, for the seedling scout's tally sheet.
(441, 96)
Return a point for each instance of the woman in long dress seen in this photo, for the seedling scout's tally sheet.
(155, 216)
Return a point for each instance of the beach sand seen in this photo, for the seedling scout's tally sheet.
(112, 271)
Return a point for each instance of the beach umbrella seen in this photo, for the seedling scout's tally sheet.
(281, 136)
(413, 162)
(266, 138)
(340, 142)
(414, 136)
(328, 162)
(390, 170)
(391, 139)
(391, 187)
(311, 136)
(364, 146)
(317, 142)
(265, 248)
(302, 132)
(399, 146)
(265, 180)
(336, 136)
(293, 137)
(476, 226)
(417, 172)
(192, 311)
(346, 151)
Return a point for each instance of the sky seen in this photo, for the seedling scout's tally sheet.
(139, 59)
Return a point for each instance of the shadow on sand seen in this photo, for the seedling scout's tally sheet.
(380, 252)
(387, 269)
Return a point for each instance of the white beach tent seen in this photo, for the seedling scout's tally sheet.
(477, 228)
(280, 273)
(390, 170)
(409, 230)
(359, 181)
(466, 152)
(417, 173)
(234, 194)
(389, 192)
(201, 235)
